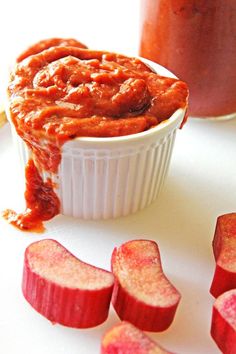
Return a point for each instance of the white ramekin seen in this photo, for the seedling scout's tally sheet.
(101, 178)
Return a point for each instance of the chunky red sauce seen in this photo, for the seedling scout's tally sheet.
(196, 39)
(42, 203)
(48, 43)
(66, 92)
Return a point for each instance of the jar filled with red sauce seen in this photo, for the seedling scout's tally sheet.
(196, 39)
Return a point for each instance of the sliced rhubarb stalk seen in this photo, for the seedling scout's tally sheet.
(63, 288)
(224, 247)
(125, 338)
(223, 325)
(142, 293)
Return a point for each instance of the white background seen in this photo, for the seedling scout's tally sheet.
(100, 24)
(200, 186)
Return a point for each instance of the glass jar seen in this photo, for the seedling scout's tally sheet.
(196, 39)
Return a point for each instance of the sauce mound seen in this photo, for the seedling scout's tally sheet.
(66, 92)
(48, 43)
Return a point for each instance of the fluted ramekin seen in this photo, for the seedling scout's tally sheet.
(101, 178)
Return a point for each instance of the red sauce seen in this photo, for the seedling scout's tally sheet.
(42, 203)
(48, 43)
(196, 39)
(68, 92)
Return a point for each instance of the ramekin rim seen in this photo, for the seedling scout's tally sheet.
(160, 127)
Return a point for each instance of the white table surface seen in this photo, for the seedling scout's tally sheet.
(200, 186)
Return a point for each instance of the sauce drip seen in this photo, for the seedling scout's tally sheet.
(42, 203)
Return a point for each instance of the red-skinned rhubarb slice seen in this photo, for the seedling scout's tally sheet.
(63, 288)
(224, 247)
(223, 326)
(125, 338)
(142, 293)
